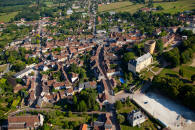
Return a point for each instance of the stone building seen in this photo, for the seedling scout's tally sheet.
(140, 63)
(136, 118)
(149, 46)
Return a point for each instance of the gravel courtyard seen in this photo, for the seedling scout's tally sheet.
(167, 111)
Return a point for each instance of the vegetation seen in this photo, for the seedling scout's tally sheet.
(17, 59)
(62, 120)
(8, 100)
(79, 70)
(85, 101)
(125, 6)
(127, 107)
(176, 89)
(183, 54)
(13, 32)
(162, 6)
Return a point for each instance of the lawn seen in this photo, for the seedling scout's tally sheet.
(178, 6)
(155, 69)
(169, 7)
(120, 7)
(187, 70)
(166, 71)
(127, 109)
(5, 17)
(3, 67)
(147, 125)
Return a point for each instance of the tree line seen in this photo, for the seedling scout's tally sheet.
(183, 53)
(176, 89)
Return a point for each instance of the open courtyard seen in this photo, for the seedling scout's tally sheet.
(168, 112)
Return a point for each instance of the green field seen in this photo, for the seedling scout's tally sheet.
(187, 70)
(5, 17)
(169, 7)
(178, 6)
(120, 7)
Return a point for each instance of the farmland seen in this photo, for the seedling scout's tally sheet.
(120, 7)
(169, 7)
(5, 17)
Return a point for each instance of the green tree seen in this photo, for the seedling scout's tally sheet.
(69, 114)
(128, 56)
(18, 66)
(193, 77)
(82, 106)
(120, 118)
(74, 99)
(181, 72)
(119, 105)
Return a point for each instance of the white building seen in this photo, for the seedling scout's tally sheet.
(69, 12)
(136, 118)
(140, 63)
(74, 77)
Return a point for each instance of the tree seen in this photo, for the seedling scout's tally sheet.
(82, 107)
(159, 7)
(181, 72)
(118, 105)
(69, 114)
(74, 99)
(18, 66)
(173, 57)
(128, 56)
(120, 118)
(193, 77)
(159, 46)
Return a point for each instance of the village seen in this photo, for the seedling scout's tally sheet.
(114, 61)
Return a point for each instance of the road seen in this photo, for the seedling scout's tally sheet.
(38, 88)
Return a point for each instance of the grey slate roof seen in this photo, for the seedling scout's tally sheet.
(139, 60)
(21, 72)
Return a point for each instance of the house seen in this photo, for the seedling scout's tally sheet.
(103, 123)
(25, 122)
(101, 31)
(167, 40)
(145, 9)
(74, 77)
(108, 123)
(69, 92)
(140, 63)
(45, 68)
(83, 127)
(90, 84)
(59, 85)
(112, 72)
(136, 117)
(69, 12)
(23, 73)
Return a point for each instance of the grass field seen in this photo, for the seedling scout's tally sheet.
(169, 7)
(120, 7)
(178, 6)
(5, 17)
(187, 70)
